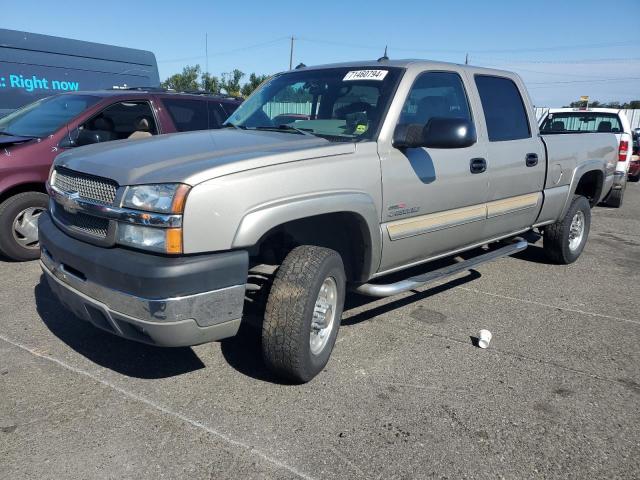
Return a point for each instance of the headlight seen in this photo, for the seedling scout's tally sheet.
(163, 240)
(162, 198)
(166, 198)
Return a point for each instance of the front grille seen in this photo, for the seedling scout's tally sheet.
(89, 187)
(88, 224)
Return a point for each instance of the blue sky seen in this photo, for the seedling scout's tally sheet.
(562, 49)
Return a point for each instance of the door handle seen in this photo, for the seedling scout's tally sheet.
(477, 165)
(531, 159)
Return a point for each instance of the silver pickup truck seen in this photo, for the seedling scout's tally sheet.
(326, 179)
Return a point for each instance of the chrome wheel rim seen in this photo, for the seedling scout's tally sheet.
(25, 227)
(576, 231)
(324, 313)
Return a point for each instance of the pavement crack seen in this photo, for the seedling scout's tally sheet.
(161, 408)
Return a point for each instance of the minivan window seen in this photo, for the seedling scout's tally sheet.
(581, 122)
(435, 94)
(44, 117)
(504, 110)
(130, 119)
(187, 114)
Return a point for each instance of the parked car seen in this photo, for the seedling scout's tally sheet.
(399, 163)
(597, 120)
(31, 137)
(634, 166)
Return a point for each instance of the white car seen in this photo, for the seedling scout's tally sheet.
(597, 120)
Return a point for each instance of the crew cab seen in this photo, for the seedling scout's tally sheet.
(597, 120)
(325, 180)
(31, 137)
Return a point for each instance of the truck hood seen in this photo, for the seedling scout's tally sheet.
(194, 157)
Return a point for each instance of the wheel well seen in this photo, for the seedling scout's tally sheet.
(24, 187)
(590, 186)
(345, 232)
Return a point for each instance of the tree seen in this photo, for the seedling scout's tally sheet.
(597, 104)
(187, 80)
(231, 82)
(210, 83)
(253, 83)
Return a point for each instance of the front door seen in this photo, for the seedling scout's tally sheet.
(432, 201)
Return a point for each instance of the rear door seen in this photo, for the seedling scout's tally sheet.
(516, 162)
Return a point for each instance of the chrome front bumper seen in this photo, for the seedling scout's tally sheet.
(170, 322)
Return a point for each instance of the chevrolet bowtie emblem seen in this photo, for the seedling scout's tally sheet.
(70, 202)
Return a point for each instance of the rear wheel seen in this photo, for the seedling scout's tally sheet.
(19, 225)
(564, 240)
(303, 313)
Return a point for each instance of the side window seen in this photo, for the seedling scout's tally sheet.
(217, 115)
(435, 94)
(503, 108)
(187, 114)
(119, 121)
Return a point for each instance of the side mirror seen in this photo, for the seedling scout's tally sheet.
(439, 132)
(89, 137)
(66, 142)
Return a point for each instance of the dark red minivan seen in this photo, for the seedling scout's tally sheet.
(30, 138)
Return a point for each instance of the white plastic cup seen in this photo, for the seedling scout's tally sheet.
(484, 337)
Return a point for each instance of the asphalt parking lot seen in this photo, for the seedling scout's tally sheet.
(405, 395)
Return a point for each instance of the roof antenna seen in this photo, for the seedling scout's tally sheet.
(300, 65)
(384, 57)
(466, 59)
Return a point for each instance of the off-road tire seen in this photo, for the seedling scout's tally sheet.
(556, 236)
(9, 210)
(289, 312)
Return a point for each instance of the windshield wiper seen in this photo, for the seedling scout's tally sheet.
(287, 128)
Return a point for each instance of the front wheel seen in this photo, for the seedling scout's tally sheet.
(19, 225)
(565, 240)
(303, 313)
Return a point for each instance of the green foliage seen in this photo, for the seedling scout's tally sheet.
(253, 83)
(193, 78)
(231, 82)
(187, 80)
(597, 104)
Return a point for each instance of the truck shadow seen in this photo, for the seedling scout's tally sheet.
(243, 352)
(107, 350)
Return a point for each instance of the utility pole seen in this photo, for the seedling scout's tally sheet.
(206, 51)
(291, 53)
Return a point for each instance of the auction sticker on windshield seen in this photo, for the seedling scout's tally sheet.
(365, 75)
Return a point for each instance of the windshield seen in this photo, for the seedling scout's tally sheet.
(581, 122)
(339, 104)
(42, 118)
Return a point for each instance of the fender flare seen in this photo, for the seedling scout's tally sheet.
(260, 220)
(578, 173)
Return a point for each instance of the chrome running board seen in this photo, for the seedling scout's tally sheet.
(389, 289)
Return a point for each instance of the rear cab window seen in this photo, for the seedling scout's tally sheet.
(581, 122)
(504, 110)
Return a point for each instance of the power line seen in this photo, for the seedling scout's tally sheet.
(437, 50)
(569, 82)
(226, 52)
